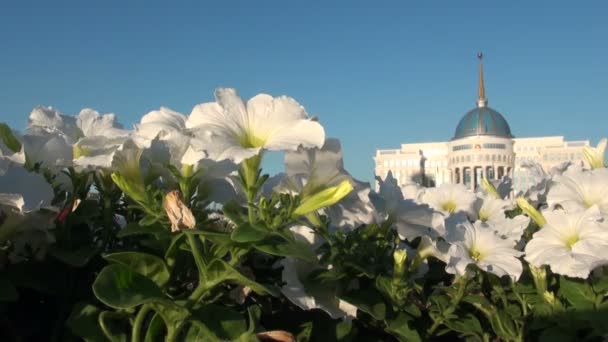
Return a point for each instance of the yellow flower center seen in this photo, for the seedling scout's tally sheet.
(449, 206)
(588, 203)
(475, 254)
(80, 151)
(250, 140)
(484, 216)
(571, 241)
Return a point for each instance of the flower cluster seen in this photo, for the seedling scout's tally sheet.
(184, 235)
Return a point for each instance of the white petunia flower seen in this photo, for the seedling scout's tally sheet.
(311, 170)
(411, 219)
(572, 244)
(536, 191)
(509, 228)
(479, 245)
(48, 148)
(296, 270)
(579, 190)
(490, 208)
(89, 139)
(166, 140)
(24, 191)
(450, 199)
(237, 130)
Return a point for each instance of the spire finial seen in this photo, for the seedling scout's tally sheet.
(481, 101)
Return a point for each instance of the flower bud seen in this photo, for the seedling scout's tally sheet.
(180, 216)
(399, 255)
(324, 198)
(534, 214)
(489, 188)
(539, 275)
(595, 155)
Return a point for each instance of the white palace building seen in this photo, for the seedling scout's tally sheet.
(482, 147)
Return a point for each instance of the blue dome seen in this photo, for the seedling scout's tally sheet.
(482, 121)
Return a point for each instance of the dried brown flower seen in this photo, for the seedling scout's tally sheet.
(180, 216)
(276, 336)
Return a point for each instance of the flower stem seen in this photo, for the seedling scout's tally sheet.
(139, 320)
(198, 256)
(250, 171)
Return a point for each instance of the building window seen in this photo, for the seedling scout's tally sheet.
(571, 156)
(468, 159)
(552, 156)
(462, 147)
(545, 156)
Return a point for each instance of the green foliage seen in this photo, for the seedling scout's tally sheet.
(8, 138)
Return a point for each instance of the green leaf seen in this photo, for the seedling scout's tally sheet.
(119, 287)
(171, 252)
(7, 136)
(248, 233)
(343, 329)
(135, 228)
(145, 264)
(503, 325)
(197, 331)
(224, 322)
(579, 294)
(306, 333)
(401, 328)
(368, 301)
(83, 322)
(600, 284)
(76, 258)
(171, 313)
(219, 271)
(281, 247)
(467, 325)
(156, 329)
(8, 291)
(148, 220)
(114, 325)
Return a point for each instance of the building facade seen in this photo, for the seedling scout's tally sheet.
(482, 147)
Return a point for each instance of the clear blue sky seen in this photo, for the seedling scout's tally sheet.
(377, 73)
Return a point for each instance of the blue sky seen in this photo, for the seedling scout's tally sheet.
(377, 73)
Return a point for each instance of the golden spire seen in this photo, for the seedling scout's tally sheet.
(481, 101)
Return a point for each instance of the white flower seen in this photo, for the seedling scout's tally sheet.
(412, 191)
(411, 219)
(296, 270)
(572, 244)
(24, 191)
(478, 244)
(579, 190)
(489, 208)
(509, 228)
(311, 170)
(50, 149)
(235, 130)
(450, 199)
(354, 210)
(537, 190)
(165, 122)
(90, 139)
(390, 193)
